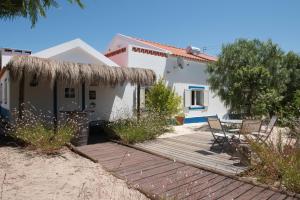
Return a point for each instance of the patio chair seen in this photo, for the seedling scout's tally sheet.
(218, 132)
(250, 128)
(265, 134)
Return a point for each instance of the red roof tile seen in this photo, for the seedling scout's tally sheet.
(181, 52)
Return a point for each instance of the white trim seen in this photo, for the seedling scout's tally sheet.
(136, 42)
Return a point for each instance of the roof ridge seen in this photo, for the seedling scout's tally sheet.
(168, 45)
(172, 46)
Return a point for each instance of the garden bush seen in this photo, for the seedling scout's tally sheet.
(163, 100)
(36, 131)
(148, 126)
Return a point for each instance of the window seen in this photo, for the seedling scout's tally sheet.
(92, 94)
(196, 98)
(69, 92)
(5, 91)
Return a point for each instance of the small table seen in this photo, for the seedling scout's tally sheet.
(232, 125)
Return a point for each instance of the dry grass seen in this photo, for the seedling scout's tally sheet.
(276, 163)
(78, 72)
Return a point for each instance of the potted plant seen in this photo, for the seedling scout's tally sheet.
(180, 118)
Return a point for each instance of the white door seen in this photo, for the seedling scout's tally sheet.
(68, 98)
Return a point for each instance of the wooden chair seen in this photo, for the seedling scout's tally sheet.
(219, 134)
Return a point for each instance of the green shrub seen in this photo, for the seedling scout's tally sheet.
(36, 131)
(163, 100)
(42, 138)
(277, 162)
(147, 127)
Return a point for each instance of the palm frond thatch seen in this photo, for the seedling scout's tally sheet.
(78, 72)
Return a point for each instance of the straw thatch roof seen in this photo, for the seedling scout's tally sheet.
(77, 72)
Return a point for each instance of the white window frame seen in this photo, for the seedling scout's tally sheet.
(192, 103)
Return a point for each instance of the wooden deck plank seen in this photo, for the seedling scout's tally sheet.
(130, 172)
(165, 182)
(210, 192)
(167, 174)
(251, 193)
(265, 194)
(228, 189)
(170, 150)
(197, 160)
(237, 192)
(155, 171)
(194, 149)
(182, 184)
(199, 185)
(169, 179)
(277, 196)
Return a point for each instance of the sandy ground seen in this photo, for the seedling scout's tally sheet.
(26, 175)
(184, 130)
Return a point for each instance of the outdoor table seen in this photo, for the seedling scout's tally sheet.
(232, 125)
(232, 121)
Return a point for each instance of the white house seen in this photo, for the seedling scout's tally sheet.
(183, 69)
(73, 76)
(68, 77)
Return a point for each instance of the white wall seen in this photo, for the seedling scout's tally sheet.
(6, 105)
(121, 59)
(147, 61)
(4, 59)
(76, 55)
(112, 103)
(192, 74)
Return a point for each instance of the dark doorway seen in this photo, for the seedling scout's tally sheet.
(97, 133)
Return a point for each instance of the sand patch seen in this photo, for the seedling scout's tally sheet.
(27, 175)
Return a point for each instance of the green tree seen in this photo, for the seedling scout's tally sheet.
(163, 100)
(292, 64)
(249, 76)
(10, 9)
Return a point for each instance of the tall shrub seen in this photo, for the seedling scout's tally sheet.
(163, 100)
(249, 76)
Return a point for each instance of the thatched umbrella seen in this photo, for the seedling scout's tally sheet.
(77, 72)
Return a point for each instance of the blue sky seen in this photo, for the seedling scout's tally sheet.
(201, 23)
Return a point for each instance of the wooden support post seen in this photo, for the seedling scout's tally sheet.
(21, 94)
(138, 101)
(83, 96)
(55, 118)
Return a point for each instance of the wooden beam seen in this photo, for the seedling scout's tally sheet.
(138, 101)
(55, 105)
(21, 94)
(83, 96)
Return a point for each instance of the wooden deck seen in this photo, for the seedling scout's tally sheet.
(160, 177)
(195, 149)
